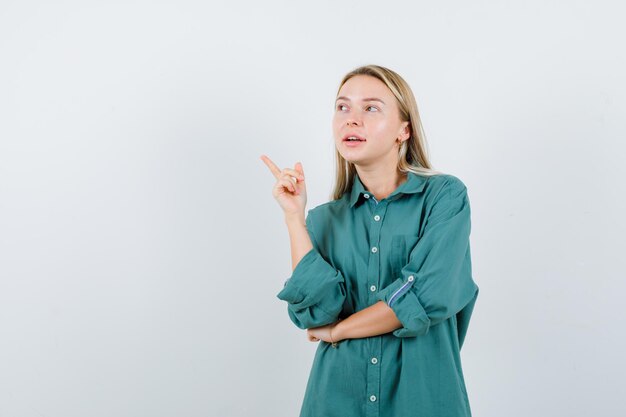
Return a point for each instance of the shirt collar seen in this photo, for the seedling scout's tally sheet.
(414, 184)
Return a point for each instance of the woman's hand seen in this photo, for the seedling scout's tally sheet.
(289, 190)
(315, 334)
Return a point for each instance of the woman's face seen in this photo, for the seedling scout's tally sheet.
(366, 108)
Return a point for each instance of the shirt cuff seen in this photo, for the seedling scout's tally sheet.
(314, 291)
(408, 309)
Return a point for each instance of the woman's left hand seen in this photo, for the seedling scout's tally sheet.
(316, 334)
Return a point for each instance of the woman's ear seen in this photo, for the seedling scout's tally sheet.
(405, 131)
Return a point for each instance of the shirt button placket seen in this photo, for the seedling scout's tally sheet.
(373, 370)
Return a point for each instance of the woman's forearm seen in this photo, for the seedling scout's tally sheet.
(374, 320)
(298, 238)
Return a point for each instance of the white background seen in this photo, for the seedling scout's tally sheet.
(141, 250)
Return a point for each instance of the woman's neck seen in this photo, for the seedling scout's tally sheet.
(381, 182)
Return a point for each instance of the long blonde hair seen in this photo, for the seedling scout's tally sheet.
(413, 152)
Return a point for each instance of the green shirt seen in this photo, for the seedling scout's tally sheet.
(410, 250)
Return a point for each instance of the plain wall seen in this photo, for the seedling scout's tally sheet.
(141, 250)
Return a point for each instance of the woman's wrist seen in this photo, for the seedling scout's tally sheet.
(295, 219)
(339, 332)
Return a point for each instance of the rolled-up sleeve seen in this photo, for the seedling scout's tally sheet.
(437, 281)
(316, 291)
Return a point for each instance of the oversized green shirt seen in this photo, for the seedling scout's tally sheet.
(410, 250)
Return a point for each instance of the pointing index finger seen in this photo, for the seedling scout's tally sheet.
(271, 165)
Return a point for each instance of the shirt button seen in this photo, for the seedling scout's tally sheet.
(377, 217)
(366, 195)
(410, 278)
(374, 361)
(373, 288)
(372, 398)
(374, 249)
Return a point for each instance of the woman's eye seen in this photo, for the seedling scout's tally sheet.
(341, 106)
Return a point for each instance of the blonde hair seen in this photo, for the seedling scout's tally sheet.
(412, 153)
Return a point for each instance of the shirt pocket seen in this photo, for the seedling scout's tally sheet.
(401, 247)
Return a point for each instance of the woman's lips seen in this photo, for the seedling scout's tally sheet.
(350, 135)
(353, 143)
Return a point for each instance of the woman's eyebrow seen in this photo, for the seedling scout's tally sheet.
(365, 99)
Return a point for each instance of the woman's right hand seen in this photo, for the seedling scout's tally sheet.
(290, 196)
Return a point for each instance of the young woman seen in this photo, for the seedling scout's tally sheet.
(382, 272)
